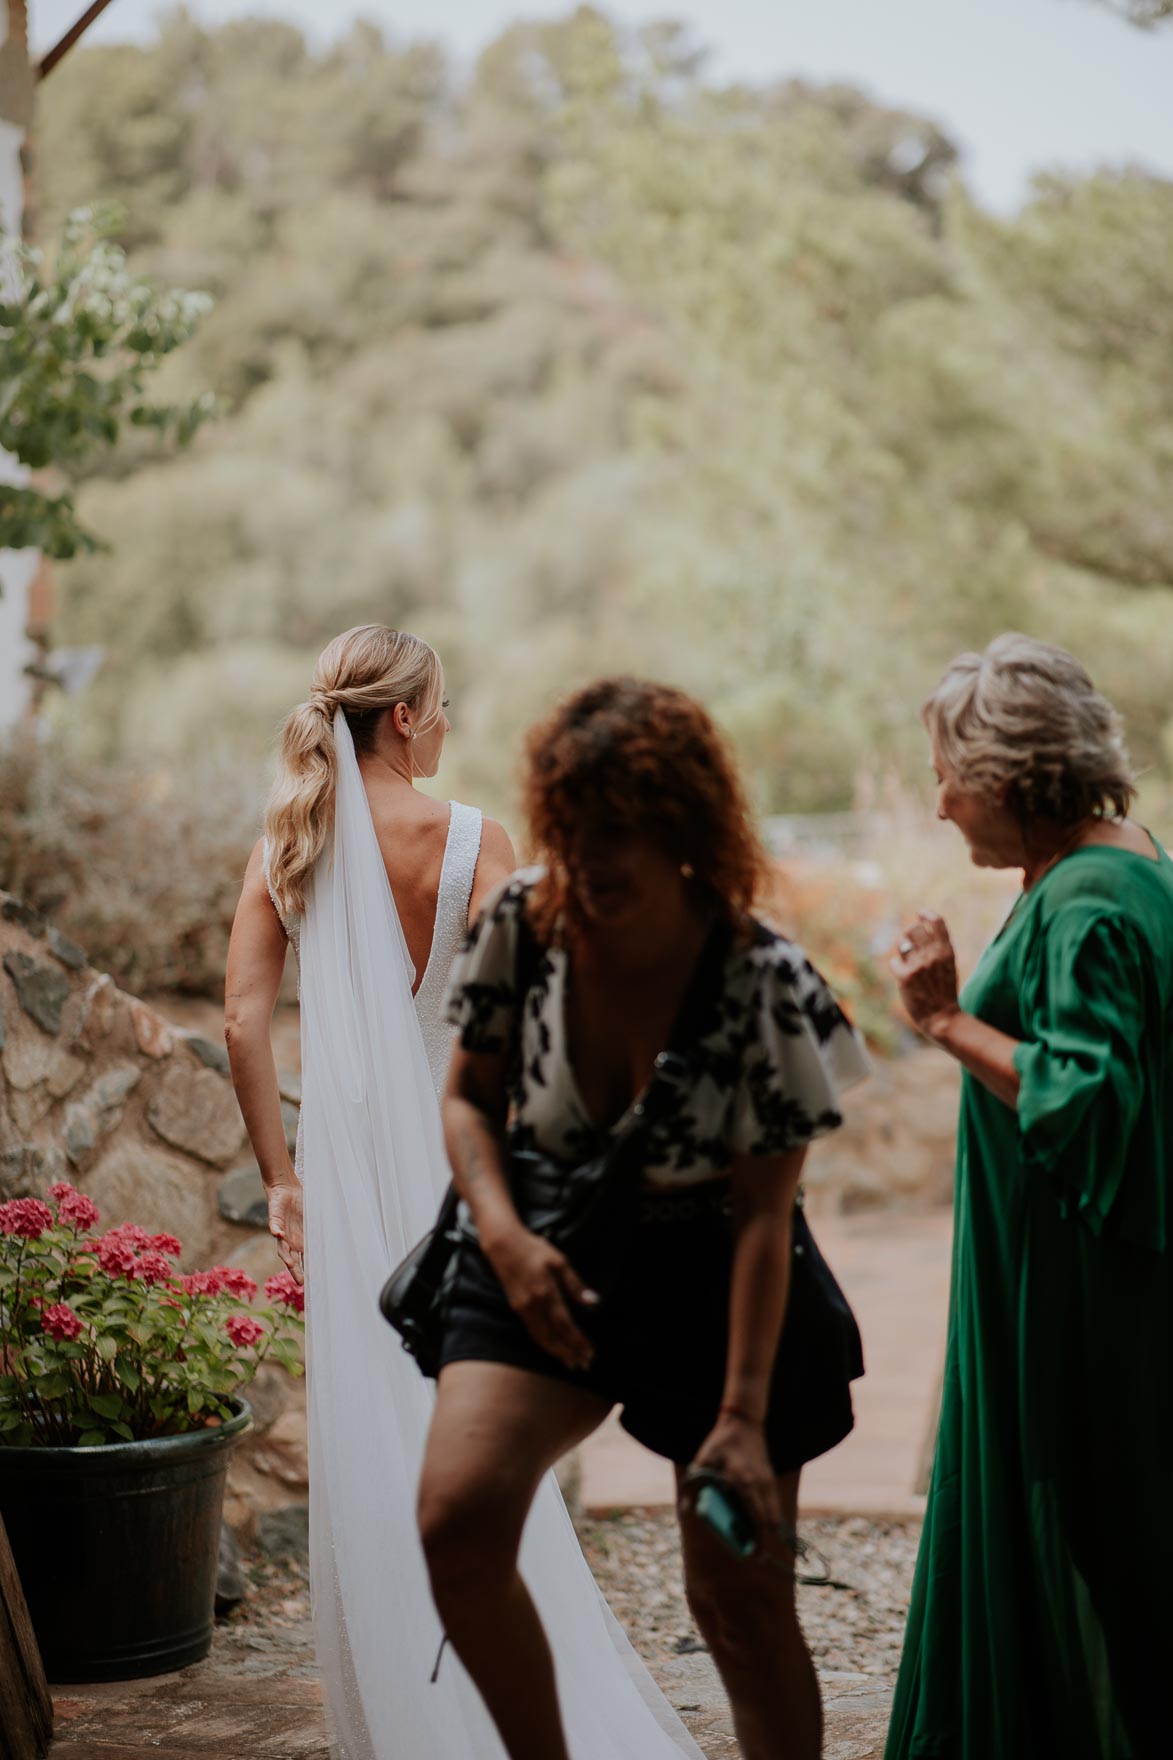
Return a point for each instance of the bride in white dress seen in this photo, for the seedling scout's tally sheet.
(374, 884)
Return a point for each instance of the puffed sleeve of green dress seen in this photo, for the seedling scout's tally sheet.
(1081, 1066)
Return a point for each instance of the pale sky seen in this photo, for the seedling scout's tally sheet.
(1023, 85)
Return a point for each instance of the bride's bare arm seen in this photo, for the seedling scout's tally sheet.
(539, 1281)
(256, 961)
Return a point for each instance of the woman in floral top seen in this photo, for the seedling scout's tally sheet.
(567, 993)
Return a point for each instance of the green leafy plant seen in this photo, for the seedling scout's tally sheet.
(80, 337)
(102, 1339)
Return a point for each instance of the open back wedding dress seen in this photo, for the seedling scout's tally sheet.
(372, 1162)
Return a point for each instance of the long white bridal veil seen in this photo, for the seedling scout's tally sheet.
(373, 1166)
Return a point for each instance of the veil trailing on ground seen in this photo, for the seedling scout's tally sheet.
(372, 1163)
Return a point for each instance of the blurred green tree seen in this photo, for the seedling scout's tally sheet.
(590, 361)
(79, 339)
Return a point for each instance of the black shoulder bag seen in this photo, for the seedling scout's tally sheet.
(588, 1211)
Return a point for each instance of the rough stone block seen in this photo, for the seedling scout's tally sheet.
(29, 1169)
(242, 1197)
(137, 1182)
(15, 1181)
(196, 1110)
(28, 1060)
(100, 1016)
(155, 1037)
(230, 1584)
(29, 1109)
(81, 1133)
(212, 1055)
(270, 1393)
(99, 1111)
(41, 990)
(285, 1533)
(67, 951)
(66, 1072)
(12, 911)
(282, 1454)
(46, 1165)
(113, 1086)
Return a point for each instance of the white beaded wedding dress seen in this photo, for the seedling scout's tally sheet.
(372, 1162)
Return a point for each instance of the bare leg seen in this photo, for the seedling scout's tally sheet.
(746, 1611)
(496, 1430)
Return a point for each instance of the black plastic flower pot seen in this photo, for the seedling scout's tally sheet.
(117, 1549)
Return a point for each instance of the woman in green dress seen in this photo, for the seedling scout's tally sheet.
(1041, 1624)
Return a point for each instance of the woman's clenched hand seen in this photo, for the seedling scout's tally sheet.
(925, 967)
(735, 1449)
(540, 1285)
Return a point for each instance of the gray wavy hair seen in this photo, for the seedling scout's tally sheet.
(1024, 722)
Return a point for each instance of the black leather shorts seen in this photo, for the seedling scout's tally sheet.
(661, 1335)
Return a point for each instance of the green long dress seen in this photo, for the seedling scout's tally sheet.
(1041, 1623)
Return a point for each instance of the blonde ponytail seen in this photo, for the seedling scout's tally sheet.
(363, 672)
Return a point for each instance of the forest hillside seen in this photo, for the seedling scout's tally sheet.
(587, 362)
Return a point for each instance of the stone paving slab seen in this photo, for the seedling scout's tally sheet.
(205, 1710)
(187, 1716)
(895, 1271)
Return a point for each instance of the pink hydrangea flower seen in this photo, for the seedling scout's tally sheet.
(26, 1217)
(236, 1281)
(284, 1288)
(74, 1207)
(135, 1236)
(60, 1321)
(116, 1254)
(243, 1330)
(154, 1268)
(202, 1283)
(167, 1243)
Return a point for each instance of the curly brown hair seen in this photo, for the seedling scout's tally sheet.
(628, 758)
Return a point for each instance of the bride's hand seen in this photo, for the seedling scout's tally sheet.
(285, 1225)
(539, 1284)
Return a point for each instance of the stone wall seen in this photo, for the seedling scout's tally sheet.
(100, 1089)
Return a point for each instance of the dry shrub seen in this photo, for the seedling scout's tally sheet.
(848, 909)
(141, 866)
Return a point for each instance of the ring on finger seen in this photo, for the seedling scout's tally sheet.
(906, 946)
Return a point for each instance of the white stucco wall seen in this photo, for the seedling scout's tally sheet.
(16, 567)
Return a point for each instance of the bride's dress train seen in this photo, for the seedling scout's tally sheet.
(373, 1166)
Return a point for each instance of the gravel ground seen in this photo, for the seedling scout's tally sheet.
(853, 1623)
(272, 1622)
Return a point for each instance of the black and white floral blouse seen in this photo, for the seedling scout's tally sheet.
(766, 1077)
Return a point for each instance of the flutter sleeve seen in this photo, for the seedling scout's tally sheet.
(482, 1001)
(801, 1054)
(1080, 1066)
